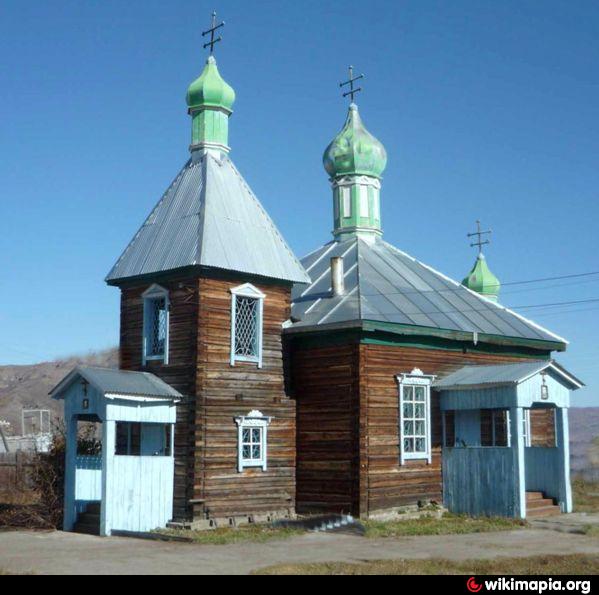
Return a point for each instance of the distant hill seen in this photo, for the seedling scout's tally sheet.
(584, 441)
(28, 386)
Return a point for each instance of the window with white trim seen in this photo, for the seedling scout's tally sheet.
(247, 305)
(526, 427)
(346, 201)
(415, 417)
(252, 439)
(156, 324)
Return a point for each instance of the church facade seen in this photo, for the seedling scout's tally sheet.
(356, 380)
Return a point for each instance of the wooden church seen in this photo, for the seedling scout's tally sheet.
(358, 380)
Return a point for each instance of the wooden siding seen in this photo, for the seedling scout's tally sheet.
(481, 481)
(348, 425)
(325, 385)
(225, 392)
(542, 427)
(207, 482)
(389, 484)
(180, 373)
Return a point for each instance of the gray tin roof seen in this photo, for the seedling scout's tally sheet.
(119, 382)
(383, 284)
(209, 217)
(503, 374)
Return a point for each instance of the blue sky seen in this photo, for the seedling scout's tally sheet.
(487, 109)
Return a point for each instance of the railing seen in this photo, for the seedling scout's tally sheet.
(480, 480)
(88, 478)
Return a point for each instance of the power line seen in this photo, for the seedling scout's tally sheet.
(460, 288)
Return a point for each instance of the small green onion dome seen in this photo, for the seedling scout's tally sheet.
(482, 280)
(354, 151)
(210, 90)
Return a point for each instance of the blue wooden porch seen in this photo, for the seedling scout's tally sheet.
(491, 465)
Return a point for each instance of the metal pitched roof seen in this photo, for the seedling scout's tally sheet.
(119, 382)
(503, 374)
(383, 284)
(209, 217)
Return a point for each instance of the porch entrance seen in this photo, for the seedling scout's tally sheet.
(506, 439)
(128, 485)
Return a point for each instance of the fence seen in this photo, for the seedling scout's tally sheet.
(14, 470)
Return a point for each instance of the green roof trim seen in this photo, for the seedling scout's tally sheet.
(422, 331)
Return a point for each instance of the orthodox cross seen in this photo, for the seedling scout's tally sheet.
(479, 234)
(352, 79)
(211, 32)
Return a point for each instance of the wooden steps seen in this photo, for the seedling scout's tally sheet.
(88, 522)
(539, 506)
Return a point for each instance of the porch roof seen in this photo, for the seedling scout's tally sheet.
(503, 375)
(119, 383)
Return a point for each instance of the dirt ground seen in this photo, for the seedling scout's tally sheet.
(67, 553)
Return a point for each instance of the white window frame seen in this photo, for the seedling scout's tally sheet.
(414, 379)
(247, 291)
(346, 202)
(153, 293)
(254, 419)
(527, 438)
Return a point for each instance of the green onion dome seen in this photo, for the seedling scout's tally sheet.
(354, 151)
(210, 90)
(482, 280)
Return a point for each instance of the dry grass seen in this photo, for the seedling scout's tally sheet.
(449, 524)
(18, 497)
(575, 564)
(226, 536)
(586, 496)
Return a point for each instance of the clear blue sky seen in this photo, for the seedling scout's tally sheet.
(488, 110)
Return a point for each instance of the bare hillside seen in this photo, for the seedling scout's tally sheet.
(28, 386)
(584, 441)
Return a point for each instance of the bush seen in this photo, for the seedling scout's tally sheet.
(46, 480)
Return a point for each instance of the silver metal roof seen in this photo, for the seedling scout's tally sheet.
(383, 284)
(209, 217)
(119, 382)
(503, 374)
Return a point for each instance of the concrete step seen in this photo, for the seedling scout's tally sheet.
(534, 496)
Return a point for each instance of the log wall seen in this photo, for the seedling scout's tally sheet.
(207, 482)
(348, 439)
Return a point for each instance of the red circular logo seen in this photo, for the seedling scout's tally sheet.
(472, 585)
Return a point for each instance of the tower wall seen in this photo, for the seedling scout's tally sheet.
(207, 481)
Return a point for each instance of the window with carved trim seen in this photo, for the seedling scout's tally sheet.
(415, 416)
(246, 324)
(252, 440)
(156, 323)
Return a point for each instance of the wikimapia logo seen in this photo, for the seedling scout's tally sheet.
(534, 586)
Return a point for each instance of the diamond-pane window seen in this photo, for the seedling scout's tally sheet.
(156, 317)
(246, 325)
(157, 326)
